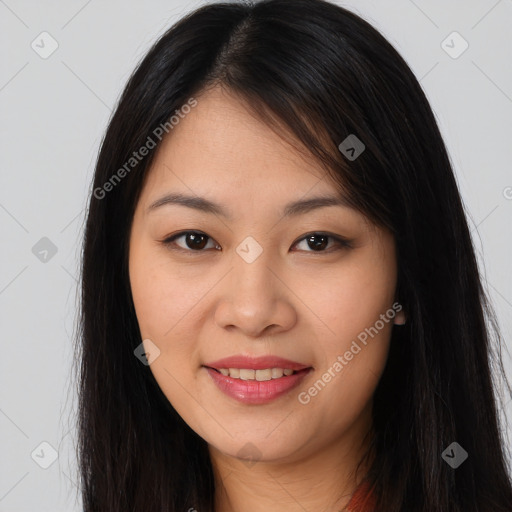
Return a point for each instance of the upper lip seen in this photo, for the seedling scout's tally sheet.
(256, 363)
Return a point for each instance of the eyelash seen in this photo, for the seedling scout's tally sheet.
(169, 242)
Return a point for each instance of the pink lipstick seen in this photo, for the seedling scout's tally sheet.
(256, 380)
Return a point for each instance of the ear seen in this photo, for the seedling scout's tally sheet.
(400, 318)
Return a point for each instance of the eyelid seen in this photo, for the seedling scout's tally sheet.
(343, 242)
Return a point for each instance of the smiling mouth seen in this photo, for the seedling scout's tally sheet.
(259, 375)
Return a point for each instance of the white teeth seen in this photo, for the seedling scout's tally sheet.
(277, 372)
(264, 374)
(247, 374)
(259, 375)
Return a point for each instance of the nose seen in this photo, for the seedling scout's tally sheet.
(255, 299)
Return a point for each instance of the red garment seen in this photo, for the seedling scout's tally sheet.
(362, 500)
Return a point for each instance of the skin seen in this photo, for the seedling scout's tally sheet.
(292, 301)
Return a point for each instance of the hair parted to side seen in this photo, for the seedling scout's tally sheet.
(323, 73)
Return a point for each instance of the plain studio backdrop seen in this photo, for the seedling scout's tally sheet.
(63, 66)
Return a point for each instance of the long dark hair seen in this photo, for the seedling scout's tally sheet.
(324, 73)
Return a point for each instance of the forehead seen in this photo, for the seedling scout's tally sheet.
(221, 145)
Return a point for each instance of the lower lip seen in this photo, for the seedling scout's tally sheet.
(256, 392)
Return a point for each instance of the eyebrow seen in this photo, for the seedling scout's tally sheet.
(202, 204)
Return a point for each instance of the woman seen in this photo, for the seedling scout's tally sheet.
(281, 305)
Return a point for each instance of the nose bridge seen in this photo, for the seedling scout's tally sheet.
(256, 298)
(253, 279)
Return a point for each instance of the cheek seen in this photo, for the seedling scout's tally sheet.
(353, 352)
(169, 305)
(352, 337)
(151, 295)
(164, 305)
(162, 295)
(350, 299)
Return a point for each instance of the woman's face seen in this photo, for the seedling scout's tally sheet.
(255, 283)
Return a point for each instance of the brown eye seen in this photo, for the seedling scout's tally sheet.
(193, 240)
(317, 242)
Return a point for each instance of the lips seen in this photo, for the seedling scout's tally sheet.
(254, 391)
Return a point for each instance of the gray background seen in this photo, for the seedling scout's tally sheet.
(53, 115)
